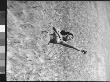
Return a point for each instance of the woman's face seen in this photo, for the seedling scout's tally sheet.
(69, 37)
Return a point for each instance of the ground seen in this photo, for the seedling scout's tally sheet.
(29, 24)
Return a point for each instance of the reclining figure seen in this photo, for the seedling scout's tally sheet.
(61, 38)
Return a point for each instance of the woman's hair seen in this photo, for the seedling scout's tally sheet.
(63, 32)
(66, 35)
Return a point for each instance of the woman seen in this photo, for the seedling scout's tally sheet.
(61, 38)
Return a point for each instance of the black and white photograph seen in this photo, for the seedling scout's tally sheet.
(57, 41)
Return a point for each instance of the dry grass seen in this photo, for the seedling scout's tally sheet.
(34, 21)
